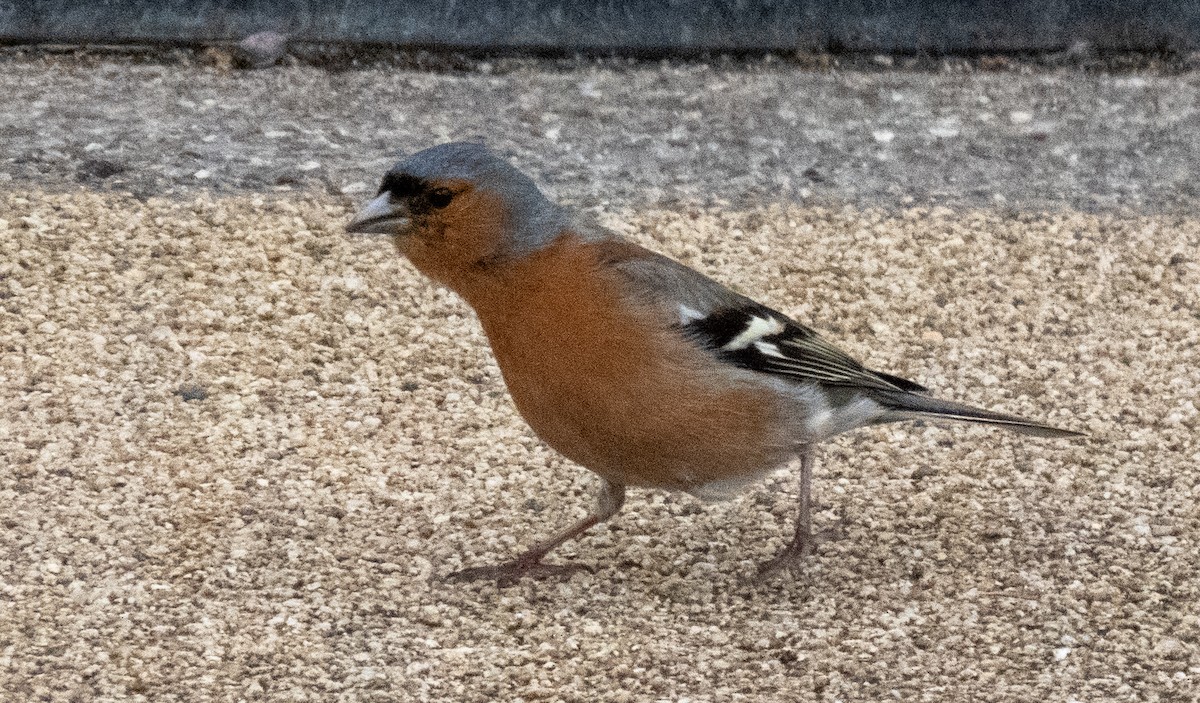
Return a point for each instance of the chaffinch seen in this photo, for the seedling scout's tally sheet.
(628, 363)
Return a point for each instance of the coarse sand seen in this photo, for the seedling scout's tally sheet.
(239, 448)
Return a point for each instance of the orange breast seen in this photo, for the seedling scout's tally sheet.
(607, 383)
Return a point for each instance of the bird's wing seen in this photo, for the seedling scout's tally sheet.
(739, 330)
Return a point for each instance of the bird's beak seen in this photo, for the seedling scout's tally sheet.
(380, 216)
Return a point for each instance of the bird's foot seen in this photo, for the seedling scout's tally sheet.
(802, 546)
(511, 571)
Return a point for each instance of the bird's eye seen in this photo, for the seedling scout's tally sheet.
(440, 197)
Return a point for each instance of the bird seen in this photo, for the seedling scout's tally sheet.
(633, 365)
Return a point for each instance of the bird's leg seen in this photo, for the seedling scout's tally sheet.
(804, 542)
(612, 497)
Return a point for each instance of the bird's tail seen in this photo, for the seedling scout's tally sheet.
(910, 406)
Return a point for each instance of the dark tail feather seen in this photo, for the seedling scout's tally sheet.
(908, 406)
(902, 383)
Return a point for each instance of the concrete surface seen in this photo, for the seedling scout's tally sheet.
(649, 27)
(621, 133)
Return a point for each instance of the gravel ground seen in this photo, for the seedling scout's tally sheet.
(237, 448)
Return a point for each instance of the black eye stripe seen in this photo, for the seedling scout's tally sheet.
(419, 192)
(402, 185)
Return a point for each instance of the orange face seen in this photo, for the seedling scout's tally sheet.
(445, 227)
(447, 243)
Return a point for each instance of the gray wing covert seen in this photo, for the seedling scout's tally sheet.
(743, 332)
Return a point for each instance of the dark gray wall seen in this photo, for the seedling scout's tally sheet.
(636, 26)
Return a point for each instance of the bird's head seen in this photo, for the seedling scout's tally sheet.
(459, 205)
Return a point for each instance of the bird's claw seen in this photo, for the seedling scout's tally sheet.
(797, 552)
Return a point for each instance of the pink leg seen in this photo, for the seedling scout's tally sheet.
(804, 542)
(612, 496)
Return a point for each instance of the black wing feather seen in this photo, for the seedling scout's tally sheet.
(721, 316)
(801, 352)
